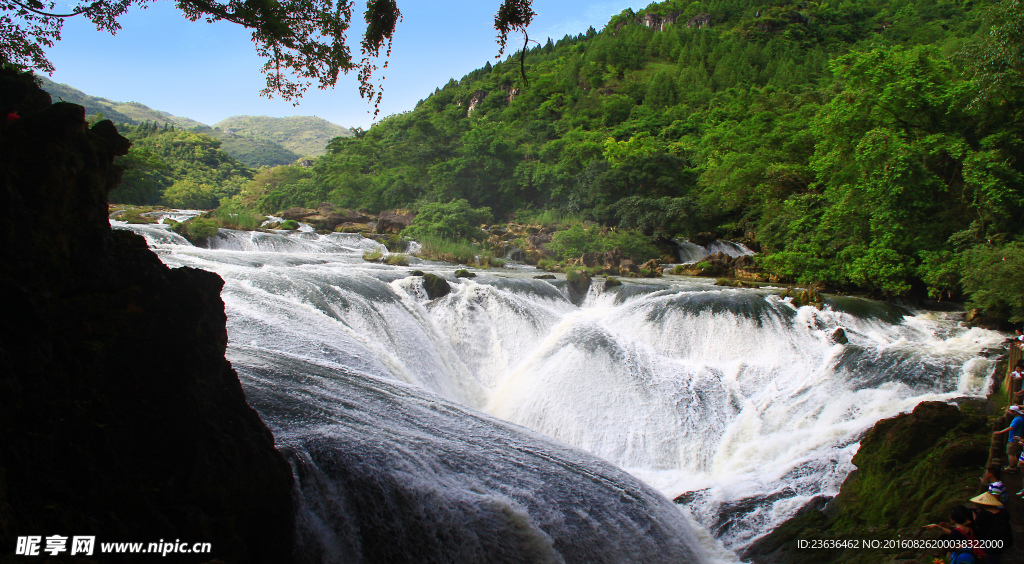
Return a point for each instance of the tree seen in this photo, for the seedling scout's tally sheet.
(303, 41)
(997, 63)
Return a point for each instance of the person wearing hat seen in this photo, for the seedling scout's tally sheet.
(992, 523)
(1016, 429)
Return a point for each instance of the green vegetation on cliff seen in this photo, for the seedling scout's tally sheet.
(910, 470)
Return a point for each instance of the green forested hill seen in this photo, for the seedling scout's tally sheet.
(302, 136)
(872, 145)
(253, 140)
(117, 112)
(178, 168)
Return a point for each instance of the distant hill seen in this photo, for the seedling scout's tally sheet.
(254, 140)
(117, 112)
(252, 151)
(304, 136)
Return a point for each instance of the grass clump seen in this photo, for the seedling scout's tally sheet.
(487, 260)
(547, 218)
(134, 215)
(290, 225)
(374, 254)
(459, 251)
(397, 259)
(233, 216)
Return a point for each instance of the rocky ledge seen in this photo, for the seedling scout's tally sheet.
(119, 416)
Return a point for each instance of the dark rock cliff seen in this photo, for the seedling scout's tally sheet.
(119, 415)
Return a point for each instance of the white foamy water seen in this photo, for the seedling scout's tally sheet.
(733, 398)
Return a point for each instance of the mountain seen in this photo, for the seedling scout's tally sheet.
(117, 112)
(304, 136)
(254, 140)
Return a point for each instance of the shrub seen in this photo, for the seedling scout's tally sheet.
(197, 229)
(231, 215)
(574, 242)
(397, 259)
(578, 240)
(290, 225)
(992, 279)
(374, 254)
(455, 220)
(487, 260)
(134, 215)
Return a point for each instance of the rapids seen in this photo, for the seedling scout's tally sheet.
(502, 419)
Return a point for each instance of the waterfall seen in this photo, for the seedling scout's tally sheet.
(515, 421)
(690, 253)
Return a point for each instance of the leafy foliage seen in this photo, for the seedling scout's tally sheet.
(178, 168)
(578, 240)
(453, 220)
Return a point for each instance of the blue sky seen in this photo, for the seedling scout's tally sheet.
(208, 72)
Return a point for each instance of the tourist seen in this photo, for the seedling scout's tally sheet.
(1016, 381)
(994, 480)
(964, 539)
(992, 524)
(1015, 430)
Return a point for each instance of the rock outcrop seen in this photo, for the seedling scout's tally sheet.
(720, 264)
(328, 217)
(394, 221)
(119, 416)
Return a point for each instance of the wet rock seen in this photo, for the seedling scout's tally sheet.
(628, 267)
(436, 286)
(839, 336)
(652, 267)
(394, 221)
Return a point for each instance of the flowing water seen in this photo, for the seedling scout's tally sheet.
(504, 420)
(690, 253)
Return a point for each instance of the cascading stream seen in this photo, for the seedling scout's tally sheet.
(733, 398)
